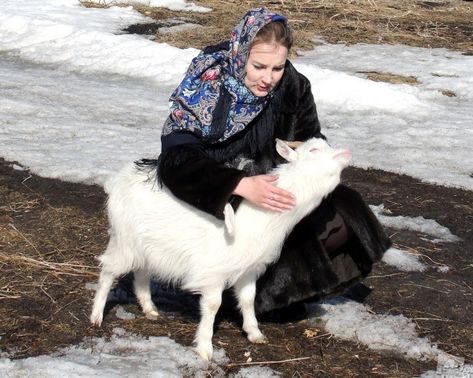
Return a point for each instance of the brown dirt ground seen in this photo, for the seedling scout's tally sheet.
(51, 231)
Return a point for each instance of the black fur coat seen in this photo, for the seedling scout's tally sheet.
(206, 175)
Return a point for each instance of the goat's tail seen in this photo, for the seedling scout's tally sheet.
(229, 214)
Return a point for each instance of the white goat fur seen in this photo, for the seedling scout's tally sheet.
(154, 234)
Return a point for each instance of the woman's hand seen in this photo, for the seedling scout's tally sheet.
(262, 192)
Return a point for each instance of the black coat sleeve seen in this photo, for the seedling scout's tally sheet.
(192, 176)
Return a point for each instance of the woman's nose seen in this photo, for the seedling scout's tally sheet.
(267, 77)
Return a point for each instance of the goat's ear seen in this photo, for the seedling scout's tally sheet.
(285, 151)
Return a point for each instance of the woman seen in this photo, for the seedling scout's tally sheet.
(218, 144)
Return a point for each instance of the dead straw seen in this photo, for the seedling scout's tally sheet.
(267, 362)
(69, 269)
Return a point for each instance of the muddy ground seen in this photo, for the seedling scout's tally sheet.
(51, 231)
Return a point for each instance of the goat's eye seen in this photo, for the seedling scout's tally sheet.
(314, 149)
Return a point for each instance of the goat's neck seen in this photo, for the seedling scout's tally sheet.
(308, 191)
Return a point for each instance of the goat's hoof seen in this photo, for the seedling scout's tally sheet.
(152, 315)
(96, 320)
(258, 338)
(204, 352)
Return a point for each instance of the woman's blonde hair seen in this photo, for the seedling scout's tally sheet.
(276, 31)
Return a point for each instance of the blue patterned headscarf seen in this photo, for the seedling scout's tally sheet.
(193, 102)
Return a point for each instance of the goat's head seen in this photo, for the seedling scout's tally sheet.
(315, 150)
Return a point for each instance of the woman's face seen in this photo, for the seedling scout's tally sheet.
(265, 67)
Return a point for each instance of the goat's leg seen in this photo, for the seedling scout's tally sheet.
(210, 302)
(245, 291)
(143, 293)
(105, 283)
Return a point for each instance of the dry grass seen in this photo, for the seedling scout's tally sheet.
(417, 23)
(47, 255)
(391, 78)
(28, 248)
(446, 24)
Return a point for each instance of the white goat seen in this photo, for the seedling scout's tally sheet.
(154, 234)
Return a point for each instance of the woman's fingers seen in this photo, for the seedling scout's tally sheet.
(263, 192)
(279, 199)
(279, 202)
(268, 178)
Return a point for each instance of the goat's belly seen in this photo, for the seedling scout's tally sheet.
(225, 269)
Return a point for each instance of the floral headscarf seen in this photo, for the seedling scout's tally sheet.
(193, 102)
